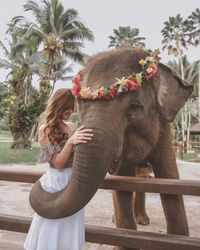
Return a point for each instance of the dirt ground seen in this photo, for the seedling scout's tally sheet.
(14, 201)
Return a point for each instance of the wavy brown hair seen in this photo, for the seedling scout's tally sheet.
(60, 101)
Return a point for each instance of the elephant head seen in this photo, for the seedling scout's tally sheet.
(126, 128)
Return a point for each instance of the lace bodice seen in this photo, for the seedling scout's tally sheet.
(48, 150)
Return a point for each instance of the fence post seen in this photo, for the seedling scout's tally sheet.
(180, 150)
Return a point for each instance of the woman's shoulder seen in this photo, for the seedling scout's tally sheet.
(43, 134)
(42, 127)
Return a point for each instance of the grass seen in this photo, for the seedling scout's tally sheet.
(5, 133)
(187, 156)
(11, 156)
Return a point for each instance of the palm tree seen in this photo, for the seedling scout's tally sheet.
(60, 30)
(61, 71)
(22, 64)
(3, 95)
(126, 36)
(8, 62)
(177, 38)
(62, 34)
(193, 24)
(20, 56)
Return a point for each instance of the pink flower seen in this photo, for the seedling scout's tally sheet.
(152, 69)
(90, 96)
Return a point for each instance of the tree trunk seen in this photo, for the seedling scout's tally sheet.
(183, 124)
(33, 131)
(27, 89)
(185, 113)
(21, 139)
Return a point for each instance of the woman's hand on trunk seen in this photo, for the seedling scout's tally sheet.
(81, 135)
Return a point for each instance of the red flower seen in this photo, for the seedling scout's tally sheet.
(112, 92)
(76, 89)
(77, 85)
(75, 80)
(101, 94)
(132, 84)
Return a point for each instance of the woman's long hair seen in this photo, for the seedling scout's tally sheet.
(60, 101)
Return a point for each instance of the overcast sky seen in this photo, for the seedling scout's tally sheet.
(102, 16)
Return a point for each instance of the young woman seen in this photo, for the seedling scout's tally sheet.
(58, 139)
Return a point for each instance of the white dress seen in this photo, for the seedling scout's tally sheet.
(55, 234)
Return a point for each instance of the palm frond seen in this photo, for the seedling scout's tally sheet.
(5, 64)
(6, 52)
(126, 36)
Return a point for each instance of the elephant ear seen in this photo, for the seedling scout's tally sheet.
(172, 92)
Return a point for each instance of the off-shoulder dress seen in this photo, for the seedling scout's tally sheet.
(55, 234)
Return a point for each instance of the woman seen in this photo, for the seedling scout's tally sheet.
(57, 139)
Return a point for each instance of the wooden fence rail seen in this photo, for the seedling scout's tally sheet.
(114, 236)
(117, 236)
(122, 183)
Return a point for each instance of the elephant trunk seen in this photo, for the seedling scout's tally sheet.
(91, 163)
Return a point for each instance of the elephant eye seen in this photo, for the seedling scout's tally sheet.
(135, 109)
(136, 106)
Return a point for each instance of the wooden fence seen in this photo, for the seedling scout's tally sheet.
(118, 236)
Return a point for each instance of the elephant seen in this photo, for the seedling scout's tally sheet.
(129, 130)
(139, 198)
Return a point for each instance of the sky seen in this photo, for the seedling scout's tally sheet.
(101, 17)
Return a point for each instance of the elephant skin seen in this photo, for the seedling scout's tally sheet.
(129, 130)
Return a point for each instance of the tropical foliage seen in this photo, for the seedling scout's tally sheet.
(126, 36)
(40, 47)
(191, 76)
(3, 95)
(178, 35)
(190, 72)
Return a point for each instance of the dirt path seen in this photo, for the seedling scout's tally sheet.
(14, 201)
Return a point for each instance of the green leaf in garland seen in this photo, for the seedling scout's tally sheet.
(106, 90)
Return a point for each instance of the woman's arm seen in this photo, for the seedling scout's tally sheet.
(77, 136)
(60, 159)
